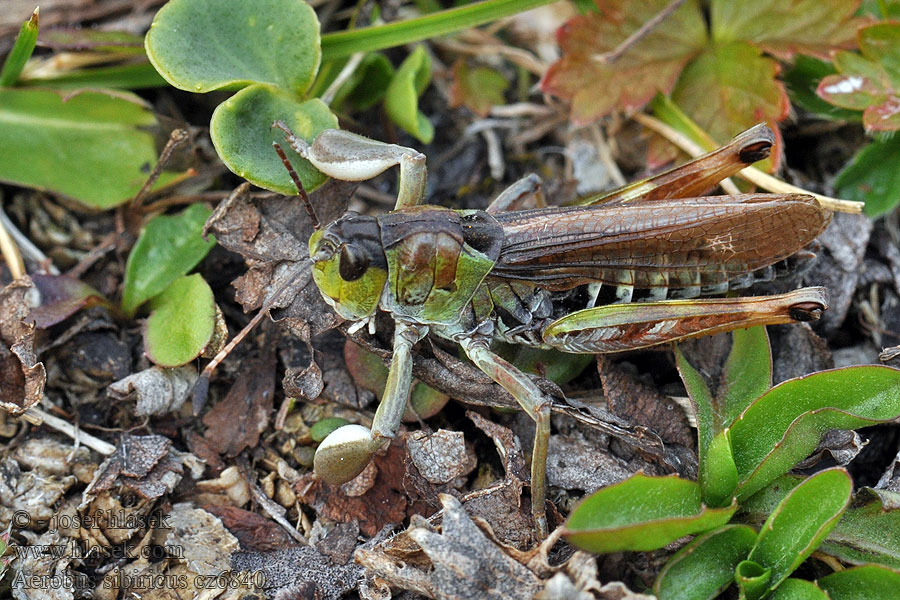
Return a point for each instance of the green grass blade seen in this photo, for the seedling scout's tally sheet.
(344, 43)
(21, 51)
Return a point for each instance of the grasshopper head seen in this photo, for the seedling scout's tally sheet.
(349, 266)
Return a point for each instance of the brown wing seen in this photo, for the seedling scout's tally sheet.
(673, 243)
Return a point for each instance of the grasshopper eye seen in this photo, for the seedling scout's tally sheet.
(354, 262)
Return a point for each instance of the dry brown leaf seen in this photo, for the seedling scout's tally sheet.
(22, 377)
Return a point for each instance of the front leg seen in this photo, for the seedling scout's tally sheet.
(347, 450)
(351, 157)
(535, 403)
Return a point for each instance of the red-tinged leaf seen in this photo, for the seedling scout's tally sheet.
(850, 91)
(652, 65)
(61, 297)
(869, 81)
(787, 27)
(729, 88)
(884, 116)
(477, 88)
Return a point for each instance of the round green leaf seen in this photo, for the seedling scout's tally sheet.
(800, 522)
(91, 146)
(181, 323)
(205, 45)
(705, 567)
(786, 423)
(641, 513)
(167, 248)
(402, 100)
(862, 583)
(241, 130)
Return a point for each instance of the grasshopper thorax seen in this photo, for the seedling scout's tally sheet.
(349, 266)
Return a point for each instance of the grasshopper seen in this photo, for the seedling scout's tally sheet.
(474, 276)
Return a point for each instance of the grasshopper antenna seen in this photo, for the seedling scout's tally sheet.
(296, 179)
(201, 386)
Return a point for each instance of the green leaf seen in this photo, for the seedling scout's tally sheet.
(872, 177)
(869, 531)
(871, 81)
(652, 65)
(241, 130)
(862, 583)
(206, 45)
(798, 589)
(128, 76)
(705, 567)
(61, 297)
(786, 27)
(369, 373)
(641, 513)
(402, 99)
(477, 88)
(785, 424)
(367, 85)
(321, 429)
(746, 375)
(167, 248)
(181, 323)
(91, 146)
(729, 88)
(757, 508)
(752, 579)
(21, 50)
(800, 523)
(802, 79)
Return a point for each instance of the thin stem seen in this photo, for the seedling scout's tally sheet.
(22, 50)
(344, 43)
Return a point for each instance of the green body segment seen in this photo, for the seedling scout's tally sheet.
(433, 270)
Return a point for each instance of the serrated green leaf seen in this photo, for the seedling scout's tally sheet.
(872, 177)
(786, 27)
(869, 582)
(798, 589)
(800, 522)
(652, 65)
(869, 532)
(205, 45)
(641, 513)
(241, 130)
(729, 88)
(181, 323)
(91, 146)
(705, 567)
(402, 98)
(167, 248)
(785, 424)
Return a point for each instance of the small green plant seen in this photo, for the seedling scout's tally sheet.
(271, 52)
(90, 145)
(750, 434)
